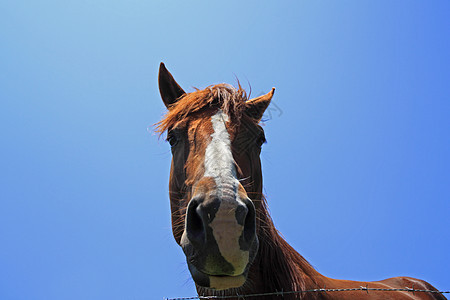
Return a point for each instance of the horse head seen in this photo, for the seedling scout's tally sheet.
(215, 179)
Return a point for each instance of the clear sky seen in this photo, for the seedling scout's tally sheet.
(356, 167)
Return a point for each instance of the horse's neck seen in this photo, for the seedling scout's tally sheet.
(278, 267)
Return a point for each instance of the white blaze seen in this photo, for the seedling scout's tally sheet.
(219, 164)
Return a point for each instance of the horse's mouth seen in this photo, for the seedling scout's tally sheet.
(216, 282)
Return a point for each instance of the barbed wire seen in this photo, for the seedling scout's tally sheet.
(324, 290)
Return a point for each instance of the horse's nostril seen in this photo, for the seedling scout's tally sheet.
(241, 214)
(194, 224)
(250, 223)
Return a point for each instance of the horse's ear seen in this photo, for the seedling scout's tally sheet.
(255, 107)
(168, 88)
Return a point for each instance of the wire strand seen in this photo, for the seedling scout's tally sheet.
(362, 288)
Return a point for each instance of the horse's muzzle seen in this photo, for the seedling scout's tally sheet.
(219, 240)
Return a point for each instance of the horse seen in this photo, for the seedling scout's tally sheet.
(219, 214)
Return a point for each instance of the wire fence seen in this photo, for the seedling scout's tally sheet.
(282, 293)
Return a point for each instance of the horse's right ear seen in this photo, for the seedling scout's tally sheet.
(168, 88)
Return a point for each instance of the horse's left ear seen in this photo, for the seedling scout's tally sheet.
(255, 107)
(168, 88)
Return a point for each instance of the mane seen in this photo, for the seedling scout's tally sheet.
(278, 257)
(223, 96)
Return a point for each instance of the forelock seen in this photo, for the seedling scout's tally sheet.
(221, 96)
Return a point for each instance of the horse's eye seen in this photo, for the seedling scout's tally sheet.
(172, 139)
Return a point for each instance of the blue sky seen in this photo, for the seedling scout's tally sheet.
(356, 167)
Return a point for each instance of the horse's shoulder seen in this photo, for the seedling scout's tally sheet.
(412, 283)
